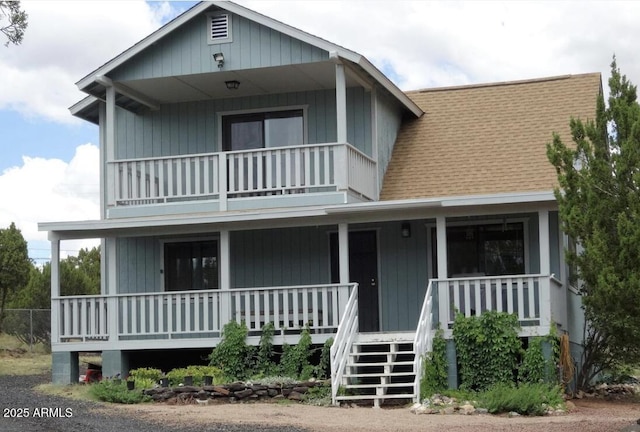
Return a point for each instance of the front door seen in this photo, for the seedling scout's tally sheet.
(363, 269)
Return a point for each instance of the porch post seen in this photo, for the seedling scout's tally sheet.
(55, 288)
(343, 259)
(111, 288)
(545, 270)
(110, 143)
(341, 104)
(543, 232)
(441, 241)
(225, 278)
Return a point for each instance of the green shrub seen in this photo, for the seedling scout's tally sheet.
(145, 377)
(487, 348)
(435, 372)
(534, 366)
(143, 383)
(116, 392)
(323, 370)
(294, 361)
(176, 376)
(527, 399)
(264, 364)
(232, 355)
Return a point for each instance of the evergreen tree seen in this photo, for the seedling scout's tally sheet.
(599, 205)
(15, 264)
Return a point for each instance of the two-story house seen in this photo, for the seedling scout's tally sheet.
(251, 171)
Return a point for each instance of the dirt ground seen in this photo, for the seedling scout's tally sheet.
(588, 416)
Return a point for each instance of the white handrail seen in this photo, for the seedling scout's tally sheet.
(342, 342)
(423, 339)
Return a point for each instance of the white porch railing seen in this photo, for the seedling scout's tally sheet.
(423, 339)
(201, 313)
(342, 342)
(533, 298)
(270, 171)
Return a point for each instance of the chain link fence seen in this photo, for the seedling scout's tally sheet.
(30, 326)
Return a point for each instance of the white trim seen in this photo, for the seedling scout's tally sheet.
(172, 240)
(229, 38)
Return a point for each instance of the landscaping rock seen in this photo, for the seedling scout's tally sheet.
(296, 396)
(467, 409)
(243, 393)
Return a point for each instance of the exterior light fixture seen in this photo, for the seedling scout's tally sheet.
(405, 230)
(219, 57)
(232, 85)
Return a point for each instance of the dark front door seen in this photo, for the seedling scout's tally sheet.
(363, 269)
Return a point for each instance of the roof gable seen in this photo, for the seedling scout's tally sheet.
(336, 52)
(486, 139)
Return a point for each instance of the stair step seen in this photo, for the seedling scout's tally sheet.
(365, 386)
(372, 396)
(374, 375)
(402, 363)
(381, 353)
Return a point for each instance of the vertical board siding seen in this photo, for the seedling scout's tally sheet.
(186, 51)
(138, 261)
(554, 243)
(280, 257)
(388, 122)
(193, 127)
(403, 274)
(359, 119)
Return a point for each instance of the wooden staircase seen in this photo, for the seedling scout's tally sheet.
(379, 369)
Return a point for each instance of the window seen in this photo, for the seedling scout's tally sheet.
(496, 249)
(219, 28)
(262, 130)
(191, 265)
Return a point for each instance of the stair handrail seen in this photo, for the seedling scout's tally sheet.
(423, 339)
(347, 329)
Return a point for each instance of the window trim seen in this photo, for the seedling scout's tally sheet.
(303, 108)
(229, 38)
(525, 235)
(173, 240)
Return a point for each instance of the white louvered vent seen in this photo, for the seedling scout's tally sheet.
(219, 28)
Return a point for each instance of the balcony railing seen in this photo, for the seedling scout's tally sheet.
(173, 315)
(537, 300)
(222, 176)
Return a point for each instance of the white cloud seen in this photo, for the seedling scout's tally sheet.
(64, 41)
(51, 190)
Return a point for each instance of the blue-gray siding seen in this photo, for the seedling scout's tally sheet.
(388, 121)
(188, 128)
(186, 51)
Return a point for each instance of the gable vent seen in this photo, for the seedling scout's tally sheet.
(219, 28)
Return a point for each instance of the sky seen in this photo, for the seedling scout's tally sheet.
(49, 159)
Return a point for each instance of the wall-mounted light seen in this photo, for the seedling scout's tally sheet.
(405, 230)
(219, 57)
(232, 85)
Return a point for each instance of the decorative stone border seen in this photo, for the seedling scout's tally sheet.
(231, 392)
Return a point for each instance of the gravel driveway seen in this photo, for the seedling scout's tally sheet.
(67, 415)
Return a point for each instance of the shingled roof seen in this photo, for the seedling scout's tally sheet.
(486, 139)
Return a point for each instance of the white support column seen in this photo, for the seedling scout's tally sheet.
(441, 242)
(110, 142)
(543, 232)
(225, 277)
(441, 256)
(55, 288)
(111, 288)
(341, 104)
(343, 260)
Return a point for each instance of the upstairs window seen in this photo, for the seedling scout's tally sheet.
(262, 130)
(219, 28)
(191, 265)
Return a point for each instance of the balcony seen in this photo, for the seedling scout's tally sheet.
(228, 178)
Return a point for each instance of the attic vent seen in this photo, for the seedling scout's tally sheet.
(219, 29)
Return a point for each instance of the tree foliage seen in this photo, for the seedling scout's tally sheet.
(599, 204)
(14, 264)
(16, 23)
